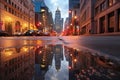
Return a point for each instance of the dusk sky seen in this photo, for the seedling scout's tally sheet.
(61, 4)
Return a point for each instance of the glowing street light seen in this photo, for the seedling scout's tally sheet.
(75, 60)
(75, 17)
(42, 10)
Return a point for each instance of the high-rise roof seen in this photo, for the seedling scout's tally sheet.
(39, 4)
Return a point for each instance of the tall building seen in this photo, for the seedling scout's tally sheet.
(58, 21)
(43, 16)
(16, 15)
(74, 11)
(37, 4)
(87, 16)
(66, 23)
(107, 16)
(72, 5)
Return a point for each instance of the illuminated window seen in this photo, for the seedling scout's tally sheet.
(111, 2)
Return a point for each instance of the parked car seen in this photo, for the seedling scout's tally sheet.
(4, 33)
(30, 33)
(39, 33)
(17, 34)
(46, 34)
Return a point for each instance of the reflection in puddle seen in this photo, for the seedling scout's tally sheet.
(55, 62)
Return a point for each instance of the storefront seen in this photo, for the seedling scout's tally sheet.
(119, 19)
(111, 22)
(102, 24)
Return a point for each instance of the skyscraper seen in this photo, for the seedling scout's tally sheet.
(73, 4)
(43, 16)
(58, 21)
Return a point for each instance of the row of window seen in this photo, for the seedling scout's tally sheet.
(12, 11)
(104, 5)
(16, 10)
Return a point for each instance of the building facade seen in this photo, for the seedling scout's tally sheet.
(43, 17)
(58, 21)
(16, 15)
(107, 16)
(74, 6)
(86, 16)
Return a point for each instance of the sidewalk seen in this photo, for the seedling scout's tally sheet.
(105, 34)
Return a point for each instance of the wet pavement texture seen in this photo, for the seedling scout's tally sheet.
(55, 62)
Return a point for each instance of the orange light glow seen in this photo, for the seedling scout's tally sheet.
(75, 17)
(75, 60)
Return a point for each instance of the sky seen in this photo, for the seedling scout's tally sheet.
(61, 4)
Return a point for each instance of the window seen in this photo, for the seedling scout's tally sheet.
(96, 10)
(5, 7)
(5, 0)
(10, 10)
(102, 6)
(9, 1)
(111, 2)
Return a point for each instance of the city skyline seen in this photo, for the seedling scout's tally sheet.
(54, 4)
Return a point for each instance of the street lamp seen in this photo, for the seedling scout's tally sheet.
(43, 17)
(75, 25)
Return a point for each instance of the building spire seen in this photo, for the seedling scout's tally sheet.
(57, 9)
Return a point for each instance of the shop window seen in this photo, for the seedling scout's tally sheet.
(111, 22)
(119, 19)
(102, 25)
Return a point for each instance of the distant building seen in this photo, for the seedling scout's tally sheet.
(58, 21)
(107, 16)
(16, 15)
(66, 23)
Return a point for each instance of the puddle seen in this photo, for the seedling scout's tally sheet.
(55, 62)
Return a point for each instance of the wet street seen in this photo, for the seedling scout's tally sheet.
(59, 58)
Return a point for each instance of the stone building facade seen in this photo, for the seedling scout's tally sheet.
(16, 15)
(86, 16)
(107, 16)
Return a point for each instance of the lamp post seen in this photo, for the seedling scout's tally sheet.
(75, 25)
(43, 17)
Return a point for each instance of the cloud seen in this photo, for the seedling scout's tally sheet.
(62, 4)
